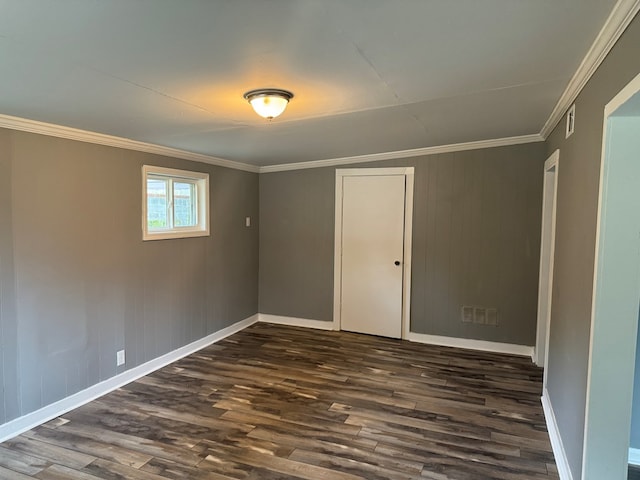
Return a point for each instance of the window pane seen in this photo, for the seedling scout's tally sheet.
(184, 204)
(157, 201)
(176, 202)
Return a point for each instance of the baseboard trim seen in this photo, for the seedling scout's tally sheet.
(634, 457)
(496, 347)
(485, 346)
(33, 419)
(556, 441)
(295, 322)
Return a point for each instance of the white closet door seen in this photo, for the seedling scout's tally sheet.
(372, 254)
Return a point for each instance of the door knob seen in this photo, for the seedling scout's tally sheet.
(397, 262)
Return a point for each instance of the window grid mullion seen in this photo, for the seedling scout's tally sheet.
(194, 204)
(170, 205)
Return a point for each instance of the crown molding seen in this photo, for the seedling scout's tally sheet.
(60, 131)
(621, 16)
(51, 130)
(416, 152)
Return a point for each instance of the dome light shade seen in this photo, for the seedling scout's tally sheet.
(268, 102)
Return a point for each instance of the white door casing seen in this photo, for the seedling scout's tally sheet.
(616, 292)
(373, 231)
(547, 251)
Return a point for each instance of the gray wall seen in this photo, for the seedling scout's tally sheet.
(578, 182)
(85, 283)
(634, 441)
(296, 243)
(9, 407)
(476, 241)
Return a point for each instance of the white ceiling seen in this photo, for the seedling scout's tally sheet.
(368, 76)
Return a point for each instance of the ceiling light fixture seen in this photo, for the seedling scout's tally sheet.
(268, 102)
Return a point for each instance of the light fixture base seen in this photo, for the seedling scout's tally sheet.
(268, 102)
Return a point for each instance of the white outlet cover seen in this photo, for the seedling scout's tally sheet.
(120, 359)
(480, 315)
(247, 221)
(492, 317)
(467, 314)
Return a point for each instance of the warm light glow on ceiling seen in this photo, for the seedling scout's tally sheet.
(268, 103)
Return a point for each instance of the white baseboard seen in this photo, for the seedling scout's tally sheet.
(483, 345)
(556, 441)
(295, 322)
(33, 419)
(634, 457)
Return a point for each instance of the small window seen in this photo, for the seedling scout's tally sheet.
(175, 203)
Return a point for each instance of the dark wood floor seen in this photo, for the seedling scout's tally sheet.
(274, 402)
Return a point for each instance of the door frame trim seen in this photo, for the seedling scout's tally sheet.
(599, 347)
(408, 173)
(547, 255)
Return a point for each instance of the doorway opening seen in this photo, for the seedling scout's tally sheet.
(616, 293)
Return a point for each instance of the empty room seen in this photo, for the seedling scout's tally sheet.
(309, 239)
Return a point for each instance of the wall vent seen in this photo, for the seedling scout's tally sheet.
(571, 121)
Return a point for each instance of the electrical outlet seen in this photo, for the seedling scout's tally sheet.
(480, 315)
(247, 222)
(120, 358)
(492, 317)
(467, 314)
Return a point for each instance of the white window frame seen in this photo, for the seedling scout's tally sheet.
(201, 181)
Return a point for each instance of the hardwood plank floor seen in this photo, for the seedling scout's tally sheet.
(275, 402)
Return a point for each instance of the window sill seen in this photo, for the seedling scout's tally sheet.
(172, 235)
